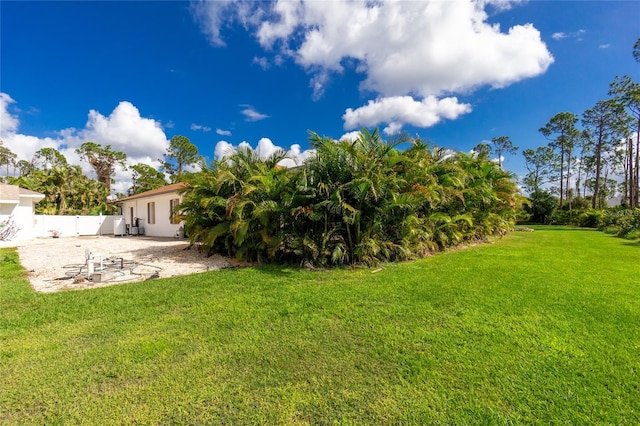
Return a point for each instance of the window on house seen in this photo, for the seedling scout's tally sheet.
(173, 211)
(151, 213)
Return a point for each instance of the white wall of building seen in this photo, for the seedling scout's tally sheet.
(139, 208)
(22, 215)
(73, 226)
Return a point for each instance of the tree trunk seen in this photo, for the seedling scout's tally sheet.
(596, 188)
(561, 169)
(627, 164)
(636, 185)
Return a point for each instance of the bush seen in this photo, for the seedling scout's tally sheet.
(563, 217)
(625, 221)
(541, 206)
(580, 203)
(633, 235)
(591, 218)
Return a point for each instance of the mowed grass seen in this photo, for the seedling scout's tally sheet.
(539, 327)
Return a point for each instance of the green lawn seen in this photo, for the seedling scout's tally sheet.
(539, 327)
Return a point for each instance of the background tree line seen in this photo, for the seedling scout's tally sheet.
(69, 191)
(590, 157)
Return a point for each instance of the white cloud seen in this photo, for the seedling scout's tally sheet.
(125, 130)
(265, 148)
(222, 132)
(210, 15)
(350, 136)
(8, 122)
(200, 127)
(407, 48)
(605, 46)
(251, 114)
(562, 35)
(397, 110)
(262, 62)
(142, 139)
(223, 149)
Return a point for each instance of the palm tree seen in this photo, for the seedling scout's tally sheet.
(359, 201)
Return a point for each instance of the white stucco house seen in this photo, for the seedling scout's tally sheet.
(151, 212)
(19, 204)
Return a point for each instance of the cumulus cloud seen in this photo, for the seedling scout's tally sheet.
(350, 136)
(196, 127)
(142, 139)
(265, 148)
(8, 122)
(222, 132)
(397, 110)
(420, 49)
(251, 114)
(125, 130)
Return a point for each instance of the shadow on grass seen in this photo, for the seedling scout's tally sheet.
(560, 228)
(276, 270)
(635, 244)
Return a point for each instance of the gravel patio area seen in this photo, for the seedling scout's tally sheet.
(55, 264)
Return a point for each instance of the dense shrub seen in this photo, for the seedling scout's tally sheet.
(626, 222)
(580, 203)
(353, 202)
(563, 217)
(591, 218)
(541, 206)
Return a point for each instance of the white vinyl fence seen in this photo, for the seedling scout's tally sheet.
(73, 226)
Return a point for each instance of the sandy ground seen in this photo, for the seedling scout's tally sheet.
(55, 264)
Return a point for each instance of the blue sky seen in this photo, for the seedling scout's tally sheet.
(133, 74)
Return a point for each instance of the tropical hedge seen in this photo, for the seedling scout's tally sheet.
(361, 201)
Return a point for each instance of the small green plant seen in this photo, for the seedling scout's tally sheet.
(633, 235)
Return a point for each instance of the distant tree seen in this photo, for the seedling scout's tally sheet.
(145, 178)
(25, 168)
(103, 160)
(607, 124)
(585, 144)
(562, 133)
(502, 145)
(627, 92)
(180, 154)
(483, 150)
(7, 157)
(540, 164)
(48, 157)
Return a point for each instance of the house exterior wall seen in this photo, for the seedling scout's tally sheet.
(23, 216)
(138, 208)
